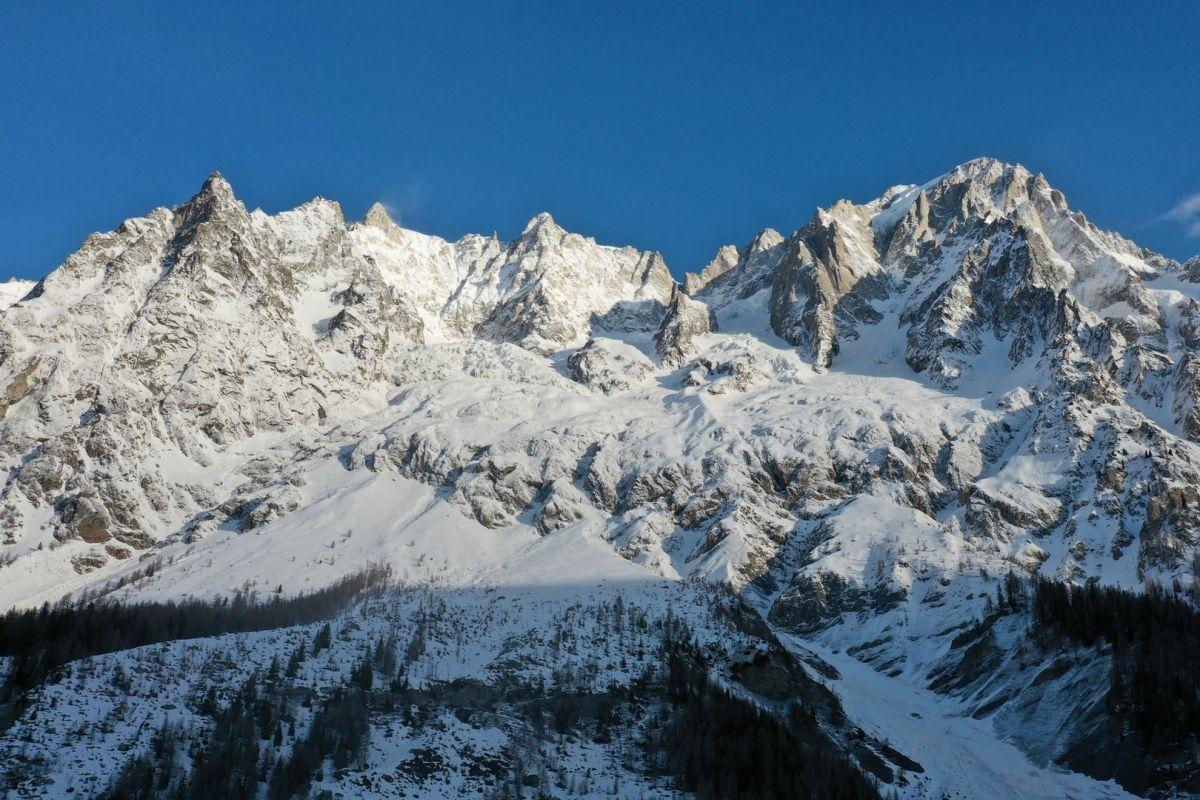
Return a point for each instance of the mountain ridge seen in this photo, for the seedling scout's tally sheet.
(550, 289)
(860, 428)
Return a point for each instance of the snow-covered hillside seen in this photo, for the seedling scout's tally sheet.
(860, 428)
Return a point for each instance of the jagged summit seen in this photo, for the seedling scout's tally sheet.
(984, 169)
(379, 217)
(1191, 269)
(214, 189)
(985, 164)
(861, 426)
(541, 229)
(760, 252)
(216, 181)
(214, 200)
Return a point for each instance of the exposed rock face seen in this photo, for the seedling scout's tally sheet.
(608, 366)
(821, 279)
(544, 291)
(824, 287)
(685, 320)
(1190, 269)
(737, 274)
(1003, 290)
(1187, 395)
(826, 282)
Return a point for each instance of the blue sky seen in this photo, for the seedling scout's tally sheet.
(671, 127)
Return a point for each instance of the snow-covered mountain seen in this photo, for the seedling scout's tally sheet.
(860, 428)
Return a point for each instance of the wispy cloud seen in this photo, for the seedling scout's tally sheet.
(1187, 213)
(404, 198)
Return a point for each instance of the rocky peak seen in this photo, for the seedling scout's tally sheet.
(379, 220)
(987, 188)
(726, 259)
(686, 319)
(216, 186)
(1190, 269)
(378, 217)
(542, 228)
(214, 200)
(978, 189)
(738, 273)
(825, 286)
(767, 239)
(986, 171)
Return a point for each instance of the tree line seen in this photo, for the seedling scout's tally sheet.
(699, 737)
(41, 640)
(726, 747)
(253, 741)
(1155, 640)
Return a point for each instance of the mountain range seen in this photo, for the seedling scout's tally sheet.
(864, 445)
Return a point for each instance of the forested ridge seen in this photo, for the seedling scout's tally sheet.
(725, 747)
(1155, 641)
(275, 737)
(41, 640)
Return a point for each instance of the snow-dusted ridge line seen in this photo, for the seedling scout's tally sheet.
(859, 427)
(158, 384)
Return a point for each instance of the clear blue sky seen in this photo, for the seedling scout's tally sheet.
(672, 127)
